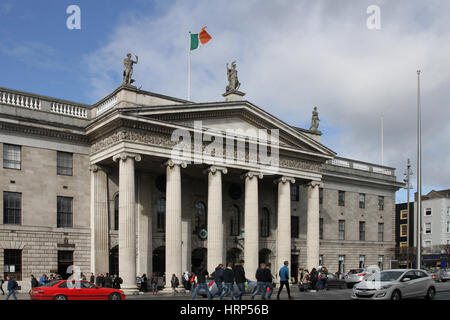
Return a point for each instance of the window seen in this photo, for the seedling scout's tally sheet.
(428, 211)
(321, 260)
(403, 230)
(403, 214)
(265, 223)
(116, 212)
(235, 227)
(403, 244)
(428, 227)
(294, 226)
(428, 243)
(380, 262)
(341, 198)
(321, 228)
(341, 264)
(199, 217)
(380, 203)
(380, 232)
(362, 260)
(11, 156)
(161, 214)
(12, 207)
(362, 231)
(13, 264)
(64, 212)
(448, 226)
(321, 196)
(341, 229)
(64, 163)
(294, 193)
(448, 211)
(362, 200)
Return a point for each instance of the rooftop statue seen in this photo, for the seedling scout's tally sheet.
(128, 69)
(315, 120)
(233, 82)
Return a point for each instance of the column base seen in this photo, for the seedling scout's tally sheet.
(130, 290)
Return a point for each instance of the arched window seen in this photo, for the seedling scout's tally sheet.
(161, 214)
(199, 216)
(265, 223)
(116, 212)
(235, 223)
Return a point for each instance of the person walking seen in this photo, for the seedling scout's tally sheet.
(117, 281)
(108, 281)
(218, 279)
(324, 277)
(313, 279)
(239, 277)
(268, 280)
(34, 283)
(284, 280)
(12, 286)
(154, 281)
(1, 285)
(144, 282)
(228, 281)
(185, 281)
(259, 280)
(174, 282)
(201, 274)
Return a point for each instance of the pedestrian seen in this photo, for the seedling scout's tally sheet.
(324, 277)
(34, 282)
(92, 279)
(43, 280)
(305, 283)
(1, 285)
(83, 276)
(201, 274)
(284, 280)
(154, 281)
(108, 281)
(228, 281)
(259, 281)
(174, 283)
(185, 281)
(117, 282)
(218, 279)
(319, 279)
(144, 281)
(239, 277)
(268, 280)
(192, 281)
(12, 287)
(313, 279)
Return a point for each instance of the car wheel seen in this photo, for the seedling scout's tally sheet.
(396, 295)
(114, 296)
(430, 293)
(60, 297)
(443, 280)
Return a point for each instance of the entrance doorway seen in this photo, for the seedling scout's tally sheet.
(265, 256)
(294, 267)
(199, 256)
(234, 255)
(159, 261)
(114, 260)
(65, 259)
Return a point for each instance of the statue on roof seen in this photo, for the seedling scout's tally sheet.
(315, 121)
(128, 69)
(233, 82)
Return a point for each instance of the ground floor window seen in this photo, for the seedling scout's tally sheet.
(65, 260)
(13, 264)
(380, 262)
(362, 260)
(341, 264)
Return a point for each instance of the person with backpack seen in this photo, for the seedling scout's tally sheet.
(284, 280)
(12, 287)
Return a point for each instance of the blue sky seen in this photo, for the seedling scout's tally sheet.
(291, 56)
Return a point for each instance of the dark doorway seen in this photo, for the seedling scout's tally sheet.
(114, 260)
(264, 256)
(199, 256)
(234, 255)
(65, 260)
(294, 267)
(159, 261)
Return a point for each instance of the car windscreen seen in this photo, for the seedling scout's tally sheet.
(51, 283)
(385, 276)
(355, 271)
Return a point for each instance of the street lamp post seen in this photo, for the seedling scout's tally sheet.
(419, 176)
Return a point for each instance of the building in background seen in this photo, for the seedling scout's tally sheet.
(405, 251)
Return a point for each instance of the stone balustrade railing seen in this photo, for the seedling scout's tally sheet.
(42, 103)
(359, 165)
(106, 105)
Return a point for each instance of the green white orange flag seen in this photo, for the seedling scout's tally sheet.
(202, 37)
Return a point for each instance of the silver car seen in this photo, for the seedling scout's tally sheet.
(355, 276)
(396, 284)
(445, 275)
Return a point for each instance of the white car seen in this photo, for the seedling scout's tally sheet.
(396, 284)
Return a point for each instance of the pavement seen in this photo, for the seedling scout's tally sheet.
(442, 293)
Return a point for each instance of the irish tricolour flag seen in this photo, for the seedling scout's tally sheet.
(201, 37)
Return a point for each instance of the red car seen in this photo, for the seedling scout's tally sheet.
(75, 290)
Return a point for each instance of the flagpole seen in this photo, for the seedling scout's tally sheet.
(189, 68)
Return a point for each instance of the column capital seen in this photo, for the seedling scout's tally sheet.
(252, 174)
(314, 183)
(96, 167)
(125, 155)
(284, 179)
(214, 169)
(171, 163)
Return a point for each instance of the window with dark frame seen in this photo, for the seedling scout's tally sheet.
(341, 229)
(265, 223)
(12, 264)
(11, 156)
(161, 215)
(362, 231)
(380, 203)
(235, 227)
(362, 200)
(64, 212)
(64, 163)
(320, 195)
(295, 224)
(295, 192)
(12, 207)
(380, 232)
(116, 212)
(321, 228)
(341, 198)
(199, 217)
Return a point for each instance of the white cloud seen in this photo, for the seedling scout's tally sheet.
(293, 55)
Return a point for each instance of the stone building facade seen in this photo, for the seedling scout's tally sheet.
(81, 181)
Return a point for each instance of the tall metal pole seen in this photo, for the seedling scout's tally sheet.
(419, 176)
(189, 69)
(382, 142)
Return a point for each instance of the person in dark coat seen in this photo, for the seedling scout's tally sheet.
(201, 274)
(34, 282)
(313, 279)
(228, 281)
(218, 279)
(12, 286)
(108, 281)
(174, 282)
(239, 277)
(259, 280)
(144, 282)
(92, 279)
(268, 280)
(117, 282)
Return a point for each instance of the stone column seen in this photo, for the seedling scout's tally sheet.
(173, 220)
(312, 227)
(99, 220)
(127, 220)
(284, 221)
(186, 235)
(215, 223)
(251, 224)
(144, 220)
